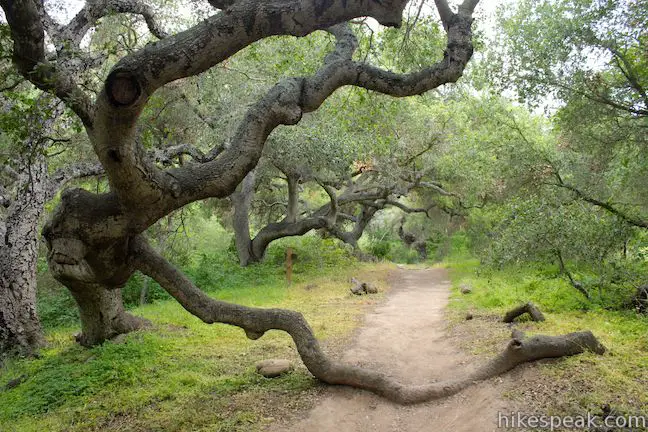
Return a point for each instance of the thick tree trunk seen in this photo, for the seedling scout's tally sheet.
(93, 272)
(102, 314)
(20, 328)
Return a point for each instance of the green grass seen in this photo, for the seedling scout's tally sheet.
(184, 375)
(572, 385)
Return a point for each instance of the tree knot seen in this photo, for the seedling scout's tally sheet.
(123, 88)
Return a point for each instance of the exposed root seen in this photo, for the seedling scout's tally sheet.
(255, 322)
(529, 308)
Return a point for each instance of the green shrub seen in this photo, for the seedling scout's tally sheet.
(57, 308)
(400, 253)
(380, 249)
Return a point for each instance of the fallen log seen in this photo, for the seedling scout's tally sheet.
(529, 308)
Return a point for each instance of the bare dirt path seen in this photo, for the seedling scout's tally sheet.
(406, 337)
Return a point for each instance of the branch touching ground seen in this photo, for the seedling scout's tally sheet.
(530, 308)
(255, 322)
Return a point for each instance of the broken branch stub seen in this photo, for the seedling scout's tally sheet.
(530, 308)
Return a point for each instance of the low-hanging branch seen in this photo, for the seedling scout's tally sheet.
(256, 322)
(635, 221)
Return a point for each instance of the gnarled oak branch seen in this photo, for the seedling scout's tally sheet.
(256, 322)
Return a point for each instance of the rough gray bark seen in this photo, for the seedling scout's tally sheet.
(292, 209)
(255, 322)
(20, 328)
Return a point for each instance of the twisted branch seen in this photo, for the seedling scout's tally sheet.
(256, 322)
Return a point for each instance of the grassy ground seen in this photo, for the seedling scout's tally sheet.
(571, 386)
(183, 375)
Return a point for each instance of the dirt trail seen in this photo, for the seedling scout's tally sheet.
(406, 337)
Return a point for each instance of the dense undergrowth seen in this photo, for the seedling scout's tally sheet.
(616, 381)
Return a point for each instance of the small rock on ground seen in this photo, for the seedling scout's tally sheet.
(274, 367)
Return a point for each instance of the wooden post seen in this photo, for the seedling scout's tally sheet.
(289, 263)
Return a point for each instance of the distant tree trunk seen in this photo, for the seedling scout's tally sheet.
(241, 200)
(361, 222)
(144, 292)
(20, 328)
(293, 199)
(252, 250)
(411, 241)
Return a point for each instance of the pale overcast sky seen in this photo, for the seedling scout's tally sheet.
(64, 10)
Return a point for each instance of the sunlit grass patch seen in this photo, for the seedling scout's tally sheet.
(182, 374)
(567, 386)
